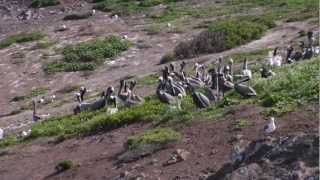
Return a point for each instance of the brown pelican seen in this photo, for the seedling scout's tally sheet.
(200, 100)
(134, 97)
(162, 94)
(289, 54)
(174, 88)
(127, 96)
(245, 70)
(98, 104)
(244, 90)
(205, 99)
(311, 39)
(80, 94)
(223, 84)
(111, 100)
(182, 66)
(231, 67)
(35, 117)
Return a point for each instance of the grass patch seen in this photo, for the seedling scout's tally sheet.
(292, 86)
(146, 143)
(241, 123)
(9, 140)
(20, 38)
(125, 7)
(223, 35)
(87, 56)
(148, 80)
(88, 122)
(64, 165)
(172, 12)
(293, 10)
(44, 3)
(154, 29)
(158, 136)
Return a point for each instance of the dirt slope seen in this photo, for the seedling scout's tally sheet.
(209, 144)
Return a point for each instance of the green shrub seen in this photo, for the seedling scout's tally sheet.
(292, 85)
(9, 140)
(241, 123)
(95, 50)
(57, 66)
(44, 3)
(168, 57)
(236, 32)
(20, 38)
(223, 35)
(80, 124)
(87, 55)
(125, 7)
(64, 165)
(159, 136)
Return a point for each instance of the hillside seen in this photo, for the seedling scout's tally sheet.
(50, 48)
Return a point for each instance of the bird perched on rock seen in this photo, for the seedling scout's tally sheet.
(271, 126)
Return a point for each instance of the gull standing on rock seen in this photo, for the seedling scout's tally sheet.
(270, 127)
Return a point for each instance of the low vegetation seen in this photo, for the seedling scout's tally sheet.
(148, 80)
(87, 55)
(20, 38)
(44, 3)
(156, 137)
(64, 165)
(241, 123)
(146, 143)
(293, 85)
(223, 35)
(125, 7)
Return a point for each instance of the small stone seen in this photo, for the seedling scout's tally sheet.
(154, 162)
(182, 154)
(124, 174)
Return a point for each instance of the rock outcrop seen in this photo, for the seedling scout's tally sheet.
(290, 158)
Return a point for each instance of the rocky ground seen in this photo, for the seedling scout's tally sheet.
(204, 151)
(96, 157)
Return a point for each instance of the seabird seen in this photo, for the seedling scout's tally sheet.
(1, 133)
(271, 126)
